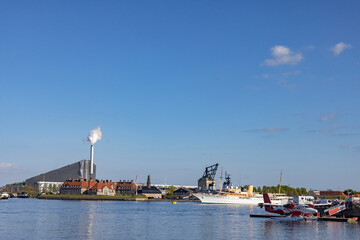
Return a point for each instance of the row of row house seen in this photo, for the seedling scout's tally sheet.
(109, 188)
(97, 187)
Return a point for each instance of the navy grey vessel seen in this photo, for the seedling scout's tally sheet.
(79, 169)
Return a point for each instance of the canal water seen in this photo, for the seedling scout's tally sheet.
(65, 219)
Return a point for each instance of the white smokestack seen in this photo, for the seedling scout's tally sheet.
(92, 159)
(93, 137)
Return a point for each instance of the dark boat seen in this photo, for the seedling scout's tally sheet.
(23, 195)
(352, 208)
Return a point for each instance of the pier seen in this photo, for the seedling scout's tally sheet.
(324, 219)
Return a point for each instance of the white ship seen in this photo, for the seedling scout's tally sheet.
(236, 196)
(232, 195)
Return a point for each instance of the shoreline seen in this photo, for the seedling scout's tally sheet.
(109, 198)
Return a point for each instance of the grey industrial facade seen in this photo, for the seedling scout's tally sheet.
(76, 170)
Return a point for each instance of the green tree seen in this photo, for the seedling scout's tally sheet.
(303, 191)
(27, 189)
(349, 192)
(170, 191)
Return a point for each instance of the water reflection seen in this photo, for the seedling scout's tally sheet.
(90, 219)
(43, 219)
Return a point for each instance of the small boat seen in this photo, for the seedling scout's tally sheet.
(23, 195)
(4, 195)
(13, 195)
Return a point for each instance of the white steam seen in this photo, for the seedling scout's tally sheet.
(94, 135)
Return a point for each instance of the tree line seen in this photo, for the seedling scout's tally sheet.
(289, 191)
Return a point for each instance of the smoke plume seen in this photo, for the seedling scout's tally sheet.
(94, 135)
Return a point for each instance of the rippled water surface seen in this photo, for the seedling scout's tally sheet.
(60, 219)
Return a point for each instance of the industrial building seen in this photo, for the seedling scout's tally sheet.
(78, 170)
(43, 186)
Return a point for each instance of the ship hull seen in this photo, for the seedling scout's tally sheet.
(221, 199)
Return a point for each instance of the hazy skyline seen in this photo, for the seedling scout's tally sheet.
(256, 86)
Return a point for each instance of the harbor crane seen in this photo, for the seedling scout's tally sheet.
(210, 171)
(207, 181)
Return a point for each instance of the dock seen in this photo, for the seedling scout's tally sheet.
(264, 215)
(325, 219)
(334, 219)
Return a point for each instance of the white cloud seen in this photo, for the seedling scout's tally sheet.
(340, 47)
(293, 73)
(283, 55)
(337, 127)
(268, 130)
(327, 117)
(8, 167)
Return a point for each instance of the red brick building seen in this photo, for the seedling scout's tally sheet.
(126, 188)
(76, 186)
(332, 194)
(92, 187)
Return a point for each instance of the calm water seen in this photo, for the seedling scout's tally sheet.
(59, 219)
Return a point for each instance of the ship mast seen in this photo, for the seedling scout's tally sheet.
(221, 177)
(280, 181)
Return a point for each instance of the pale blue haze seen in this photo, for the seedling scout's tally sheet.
(178, 85)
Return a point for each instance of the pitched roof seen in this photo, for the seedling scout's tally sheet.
(182, 190)
(125, 184)
(80, 183)
(151, 190)
(83, 184)
(101, 185)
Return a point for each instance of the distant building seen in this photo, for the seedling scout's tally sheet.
(15, 187)
(150, 191)
(126, 188)
(48, 186)
(164, 187)
(103, 188)
(314, 193)
(333, 194)
(182, 192)
(76, 186)
(78, 170)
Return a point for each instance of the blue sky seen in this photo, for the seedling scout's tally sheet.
(257, 86)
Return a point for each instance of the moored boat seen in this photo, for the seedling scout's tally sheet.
(236, 196)
(4, 195)
(23, 195)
